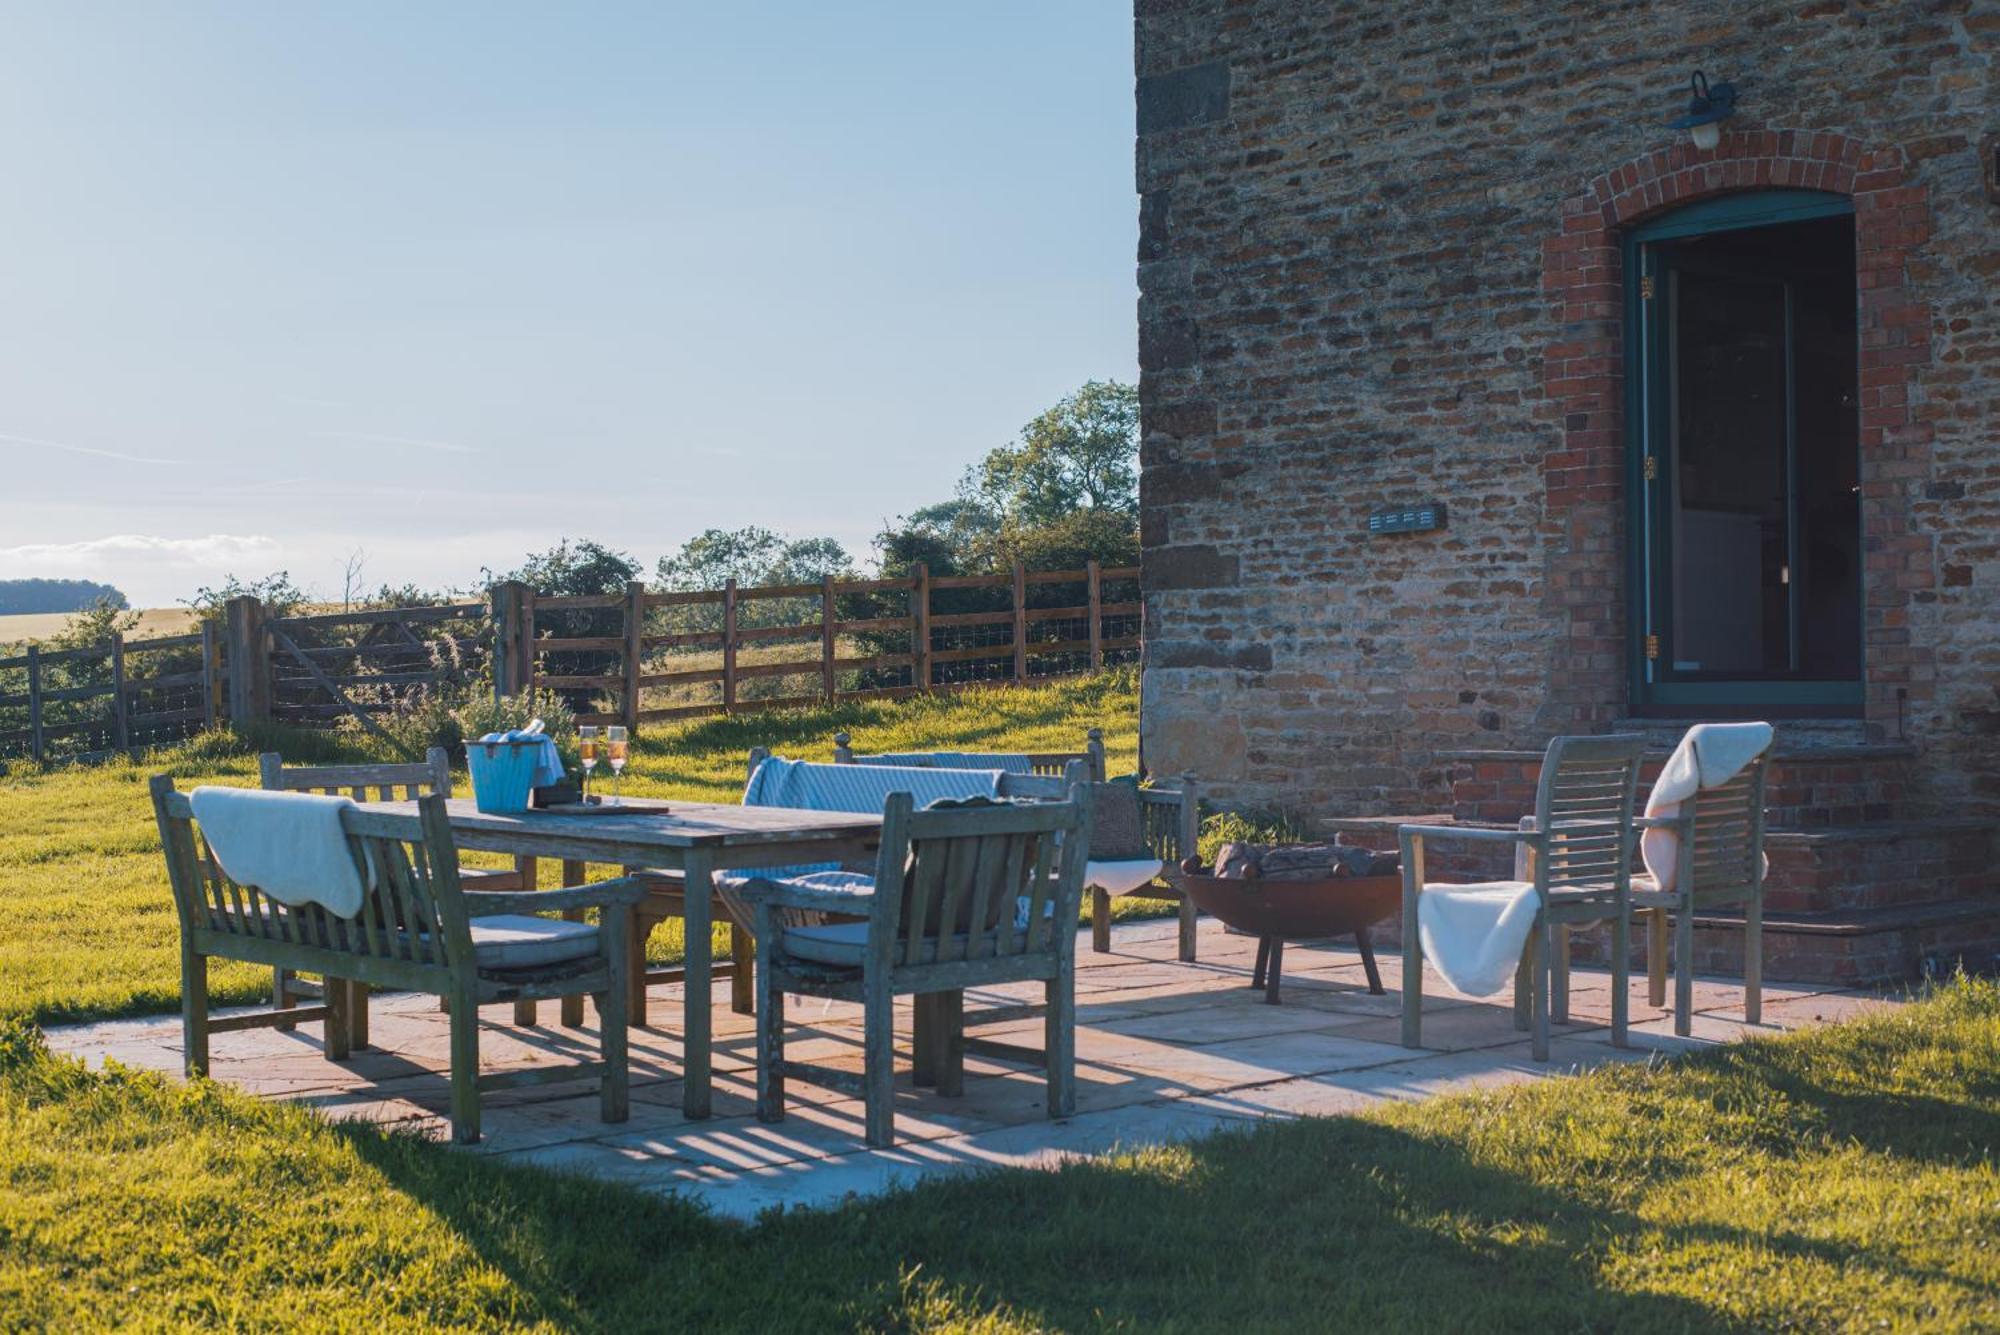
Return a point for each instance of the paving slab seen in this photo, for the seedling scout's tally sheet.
(1165, 1051)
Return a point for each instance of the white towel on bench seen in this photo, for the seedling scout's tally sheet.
(291, 846)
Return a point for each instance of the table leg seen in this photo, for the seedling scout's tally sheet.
(573, 873)
(696, 988)
(524, 1011)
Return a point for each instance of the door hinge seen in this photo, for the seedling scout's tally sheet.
(1652, 646)
(1648, 287)
(1652, 469)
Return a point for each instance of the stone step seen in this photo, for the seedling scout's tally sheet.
(1880, 865)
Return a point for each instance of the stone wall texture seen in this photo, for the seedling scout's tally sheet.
(1378, 264)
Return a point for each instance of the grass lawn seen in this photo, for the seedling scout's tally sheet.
(87, 926)
(1837, 1179)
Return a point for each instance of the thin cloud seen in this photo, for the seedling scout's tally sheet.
(212, 550)
(121, 457)
(442, 446)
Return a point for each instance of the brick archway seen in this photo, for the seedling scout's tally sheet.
(1582, 384)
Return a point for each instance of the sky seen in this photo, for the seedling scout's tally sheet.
(444, 283)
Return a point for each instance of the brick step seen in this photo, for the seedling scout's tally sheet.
(1880, 865)
(1808, 787)
(1857, 948)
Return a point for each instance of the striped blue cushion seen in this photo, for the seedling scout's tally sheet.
(810, 786)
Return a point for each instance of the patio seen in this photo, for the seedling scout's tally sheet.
(1165, 1051)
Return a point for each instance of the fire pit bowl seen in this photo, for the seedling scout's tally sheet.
(1277, 911)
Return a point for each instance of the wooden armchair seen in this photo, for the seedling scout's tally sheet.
(1720, 865)
(363, 782)
(961, 897)
(1049, 764)
(418, 930)
(1172, 821)
(1579, 865)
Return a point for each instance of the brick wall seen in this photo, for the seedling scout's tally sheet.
(1372, 266)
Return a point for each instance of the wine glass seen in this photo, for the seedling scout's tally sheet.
(614, 746)
(586, 748)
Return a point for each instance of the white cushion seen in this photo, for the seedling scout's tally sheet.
(1124, 876)
(830, 943)
(521, 941)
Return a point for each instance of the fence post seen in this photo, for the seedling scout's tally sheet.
(249, 662)
(1020, 622)
(635, 651)
(1092, 578)
(826, 637)
(35, 702)
(920, 627)
(728, 645)
(121, 719)
(211, 680)
(513, 638)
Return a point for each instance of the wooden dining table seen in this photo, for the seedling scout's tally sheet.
(697, 839)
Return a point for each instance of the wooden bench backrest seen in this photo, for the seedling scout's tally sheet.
(363, 783)
(1047, 764)
(1585, 802)
(966, 874)
(415, 915)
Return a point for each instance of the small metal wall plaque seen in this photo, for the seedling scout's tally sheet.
(1408, 518)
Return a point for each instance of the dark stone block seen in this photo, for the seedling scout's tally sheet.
(1197, 95)
(1165, 345)
(1191, 567)
(1237, 658)
(1153, 229)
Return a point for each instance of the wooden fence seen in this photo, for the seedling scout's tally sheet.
(638, 657)
(848, 639)
(119, 696)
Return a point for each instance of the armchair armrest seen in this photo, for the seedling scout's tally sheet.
(781, 894)
(1466, 833)
(622, 892)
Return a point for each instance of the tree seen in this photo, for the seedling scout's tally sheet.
(751, 556)
(1078, 455)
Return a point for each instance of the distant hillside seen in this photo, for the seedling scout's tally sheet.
(53, 595)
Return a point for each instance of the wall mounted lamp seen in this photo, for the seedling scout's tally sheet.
(1707, 109)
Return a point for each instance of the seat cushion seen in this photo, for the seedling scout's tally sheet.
(1121, 876)
(520, 941)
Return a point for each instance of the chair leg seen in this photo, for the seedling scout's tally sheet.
(770, 1045)
(1524, 986)
(1753, 958)
(1559, 975)
(339, 1020)
(1367, 947)
(635, 1010)
(1621, 979)
(924, 1039)
(1413, 970)
(1276, 973)
(464, 1067)
(1059, 1044)
(1543, 945)
(615, 1094)
(194, 1012)
(742, 983)
(1656, 958)
(951, 1043)
(357, 1015)
(879, 1059)
(525, 1011)
(1100, 921)
(282, 997)
(1684, 970)
(1187, 928)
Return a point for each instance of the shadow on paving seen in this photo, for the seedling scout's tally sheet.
(1320, 1224)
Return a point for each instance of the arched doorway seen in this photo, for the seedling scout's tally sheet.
(1742, 424)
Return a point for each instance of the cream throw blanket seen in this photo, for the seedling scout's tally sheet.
(291, 846)
(1710, 755)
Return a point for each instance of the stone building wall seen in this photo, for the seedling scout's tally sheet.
(1373, 260)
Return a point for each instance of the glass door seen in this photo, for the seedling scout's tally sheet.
(1747, 523)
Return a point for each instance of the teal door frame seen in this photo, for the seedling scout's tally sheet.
(1646, 431)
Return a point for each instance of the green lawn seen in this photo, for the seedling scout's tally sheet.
(1842, 1179)
(87, 926)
